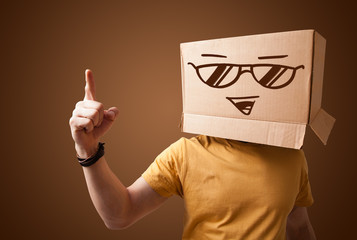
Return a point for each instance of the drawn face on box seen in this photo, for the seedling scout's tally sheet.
(258, 78)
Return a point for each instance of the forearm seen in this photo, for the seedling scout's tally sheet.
(109, 196)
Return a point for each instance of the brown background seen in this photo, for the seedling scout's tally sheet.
(133, 49)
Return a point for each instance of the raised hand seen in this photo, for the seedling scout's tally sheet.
(89, 120)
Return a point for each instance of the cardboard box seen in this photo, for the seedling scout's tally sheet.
(259, 88)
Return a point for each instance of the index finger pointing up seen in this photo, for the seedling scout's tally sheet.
(90, 86)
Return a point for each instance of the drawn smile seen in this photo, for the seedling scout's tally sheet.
(243, 104)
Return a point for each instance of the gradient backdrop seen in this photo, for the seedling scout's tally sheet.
(133, 49)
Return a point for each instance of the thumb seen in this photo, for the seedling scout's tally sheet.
(109, 117)
(89, 90)
(111, 113)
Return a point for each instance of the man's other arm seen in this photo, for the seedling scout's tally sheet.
(298, 225)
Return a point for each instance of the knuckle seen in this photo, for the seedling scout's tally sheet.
(89, 113)
(87, 121)
(72, 121)
(95, 114)
(78, 104)
(88, 124)
(100, 106)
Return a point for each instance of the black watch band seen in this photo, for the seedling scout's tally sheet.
(86, 162)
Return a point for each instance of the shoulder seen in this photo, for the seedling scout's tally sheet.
(185, 147)
(185, 143)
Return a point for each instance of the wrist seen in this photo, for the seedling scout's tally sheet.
(86, 152)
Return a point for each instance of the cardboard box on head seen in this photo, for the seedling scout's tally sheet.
(259, 88)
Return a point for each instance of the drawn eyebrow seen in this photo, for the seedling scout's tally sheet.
(213, 55)
(271, 57)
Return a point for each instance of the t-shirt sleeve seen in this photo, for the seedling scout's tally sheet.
(304, 197)
(163, 175)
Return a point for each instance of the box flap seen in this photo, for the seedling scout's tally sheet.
(322, 125)
(290, 135)
(317, 74)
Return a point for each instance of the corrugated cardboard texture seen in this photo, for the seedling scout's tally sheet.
(255, 88)
(272, 133)
(317, 74)
(322, 125)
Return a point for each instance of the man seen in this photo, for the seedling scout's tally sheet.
(217, 208)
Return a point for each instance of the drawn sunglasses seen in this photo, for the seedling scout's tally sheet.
(222, 75)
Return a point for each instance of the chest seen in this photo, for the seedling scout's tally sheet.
(232, 185)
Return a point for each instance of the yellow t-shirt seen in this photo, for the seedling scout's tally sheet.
(232, 189)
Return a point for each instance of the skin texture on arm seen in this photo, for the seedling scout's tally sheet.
(298, 225)
(118, 206)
